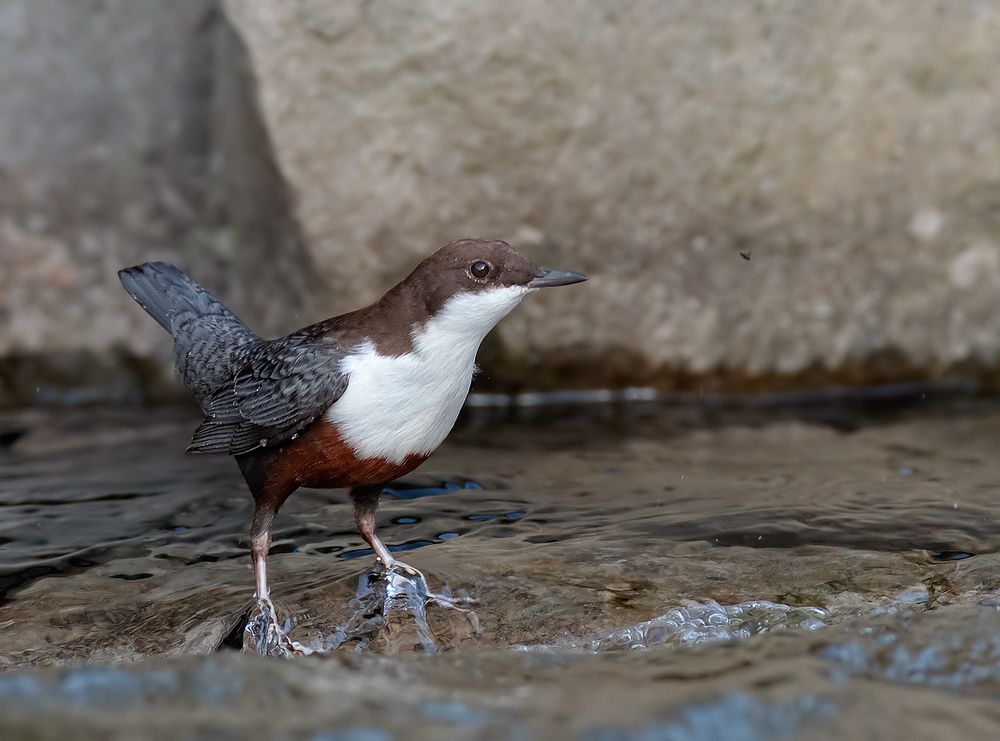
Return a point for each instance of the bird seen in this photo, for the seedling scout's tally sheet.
(354, 401)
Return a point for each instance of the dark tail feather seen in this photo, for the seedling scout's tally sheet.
(207, 335)
(162, 290)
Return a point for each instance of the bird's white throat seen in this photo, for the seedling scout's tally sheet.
(399, 406)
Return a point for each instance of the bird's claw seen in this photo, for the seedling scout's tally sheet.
(451, 603)
(416, 585)
(268, 636)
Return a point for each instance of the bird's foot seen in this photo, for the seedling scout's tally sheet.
(267, 636)
(390, 614)
(407, 589)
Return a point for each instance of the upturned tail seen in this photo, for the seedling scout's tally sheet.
(209, 339)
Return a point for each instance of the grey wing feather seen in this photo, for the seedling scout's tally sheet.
(283, 387)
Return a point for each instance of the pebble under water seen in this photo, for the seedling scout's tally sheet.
(640, 572)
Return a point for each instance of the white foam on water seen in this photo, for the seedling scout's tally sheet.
(694, 623)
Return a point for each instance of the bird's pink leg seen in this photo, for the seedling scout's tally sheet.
(365, 504)
(263, 630)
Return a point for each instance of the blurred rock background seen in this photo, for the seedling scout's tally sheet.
(299, 157)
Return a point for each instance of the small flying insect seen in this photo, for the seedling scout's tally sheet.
(745, 255)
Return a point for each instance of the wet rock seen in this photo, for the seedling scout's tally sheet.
(826, 685)
(609, 608)
(108, 505)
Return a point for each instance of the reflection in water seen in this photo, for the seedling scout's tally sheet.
(402, 491)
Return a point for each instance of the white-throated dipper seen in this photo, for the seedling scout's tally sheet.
(354, 401)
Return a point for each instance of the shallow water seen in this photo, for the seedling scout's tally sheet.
(645, 571)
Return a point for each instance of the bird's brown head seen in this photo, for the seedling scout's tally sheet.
(479, 281)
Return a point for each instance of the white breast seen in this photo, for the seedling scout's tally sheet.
(399, 406)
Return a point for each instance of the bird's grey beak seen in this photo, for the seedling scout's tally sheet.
(546, 278)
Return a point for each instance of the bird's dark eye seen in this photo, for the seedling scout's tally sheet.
(479, 269)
